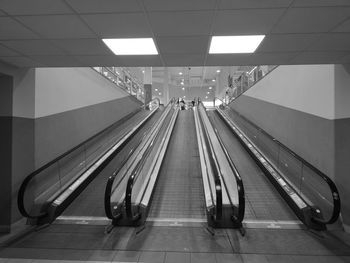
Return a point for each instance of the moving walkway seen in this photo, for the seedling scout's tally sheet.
(47, 192)
(274, 176)
(175, 172)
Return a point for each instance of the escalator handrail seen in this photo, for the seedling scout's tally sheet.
(136, 171)
(215, 171)
(31, 176)
(110, 182)
(239, 181)
(329, 182)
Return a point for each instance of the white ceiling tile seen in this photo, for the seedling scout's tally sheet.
(104, 6)
(240, 4)
(4, 51)
(34, 7)
(227, 59)
(139, 61)
(272, 58)
(171, 5)
(33, 47)
(119, 25)
(345, 59)
(307, 20)
(190, 44)
(57, 26)
(177, 60)
(321, 3)
(57, 61)
(247, 21)
(181, 23)
(96, 61)
(344, 27)
(21, 62)
(83, 46)
(11, 29)
(287, 42)
(334, 41)
(318, 57)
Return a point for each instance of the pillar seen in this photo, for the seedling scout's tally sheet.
(166, 86)
(6, 83)
(147, 84)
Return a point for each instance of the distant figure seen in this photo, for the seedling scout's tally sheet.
(182, 104)
(193, 103)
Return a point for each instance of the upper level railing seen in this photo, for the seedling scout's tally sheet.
(123, 81)
(244, 82)
(315, 187)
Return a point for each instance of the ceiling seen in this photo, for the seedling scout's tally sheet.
(66, 33)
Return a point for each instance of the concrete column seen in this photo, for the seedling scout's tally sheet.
(147, 84)
(166, 86)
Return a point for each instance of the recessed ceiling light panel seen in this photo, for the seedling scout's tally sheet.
(131, 46)
(234, 44)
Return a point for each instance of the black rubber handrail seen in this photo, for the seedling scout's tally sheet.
(108, 190)
(129, 187)
(238, 218)
(31, 176)
(215, 171)
(25, 183)
(330, 183)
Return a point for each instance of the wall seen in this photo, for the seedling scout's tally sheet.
(71, 105)
(6, 83)
(306, 108)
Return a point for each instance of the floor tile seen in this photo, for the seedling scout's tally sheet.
(228, 258)
(253, 258)
(102, 255)
(203, 258)
(150, 256)
(279, 258)
(176, 257)
(126, 256)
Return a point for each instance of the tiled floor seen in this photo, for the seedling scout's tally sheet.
(71, 243)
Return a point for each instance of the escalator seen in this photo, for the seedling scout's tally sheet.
(90, 202)
(175, 175)
(179, 193)
(263, 202)
(49, 191)
(280, 185)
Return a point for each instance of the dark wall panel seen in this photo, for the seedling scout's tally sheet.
(310, 136)
(5, 175)
(22, 157)
(6, 83)
(55, 134)
(342, 164)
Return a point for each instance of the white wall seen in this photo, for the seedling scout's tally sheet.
(63, 89)
(342, 91)
(306, 88)
(24, 93)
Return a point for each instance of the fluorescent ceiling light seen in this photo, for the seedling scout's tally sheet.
(218, 71)
(183, 88)
(210, 87)
(131, 46)
(234, 44)
(180, 73)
